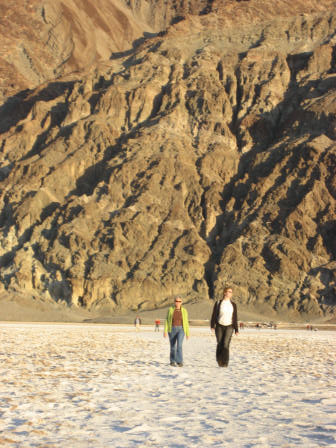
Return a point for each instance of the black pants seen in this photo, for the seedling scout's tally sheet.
(223, 335)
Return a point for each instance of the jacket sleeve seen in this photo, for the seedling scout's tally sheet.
(214, 316)
(185, 322)
(235, 318)
(166, 325)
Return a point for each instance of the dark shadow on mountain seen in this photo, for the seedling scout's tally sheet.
(49, 210)
(135, 45)
(7, 258)
(60, 291)
(272, 261)
(177, 19)
(207, 9)
(57, 114)
(326, 276)
(328, 233)
(17, 107)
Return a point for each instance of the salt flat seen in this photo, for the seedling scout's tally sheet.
(65, 385)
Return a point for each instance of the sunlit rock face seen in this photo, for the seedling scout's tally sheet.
(192, 147)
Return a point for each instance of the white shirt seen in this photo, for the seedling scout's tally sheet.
(225, 313)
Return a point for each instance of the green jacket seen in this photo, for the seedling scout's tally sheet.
(169, 320)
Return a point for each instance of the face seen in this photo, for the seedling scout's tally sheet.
(178, 302)
(228, 294)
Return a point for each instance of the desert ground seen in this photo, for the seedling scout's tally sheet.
(102, 385)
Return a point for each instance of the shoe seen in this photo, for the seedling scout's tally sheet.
(173, 364)
(180, 364)
(222, 365)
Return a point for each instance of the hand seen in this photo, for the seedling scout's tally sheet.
(212, 330)
(164, 334)
(187, 337)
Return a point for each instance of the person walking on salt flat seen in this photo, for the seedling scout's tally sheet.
(137, 323)
(224, 321)
(176, 326)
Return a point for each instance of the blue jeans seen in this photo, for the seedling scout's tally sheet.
(176, 339)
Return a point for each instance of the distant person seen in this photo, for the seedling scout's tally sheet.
(137, 323)
(224, 321)
(157, 324)
(176, 326)
(241, 325)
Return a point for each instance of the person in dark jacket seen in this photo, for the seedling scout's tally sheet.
(224, 321)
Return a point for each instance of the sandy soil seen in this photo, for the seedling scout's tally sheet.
(24, 309)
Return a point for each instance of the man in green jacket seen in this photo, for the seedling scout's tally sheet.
(176, 326)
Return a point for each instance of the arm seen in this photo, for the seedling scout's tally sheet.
(165, 331)
(185, 322)
(213, 320)
(235, 318)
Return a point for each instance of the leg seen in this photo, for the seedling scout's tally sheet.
(179, 353)
(223, 335)
(226, 344)
(173, 341)
(220, 332)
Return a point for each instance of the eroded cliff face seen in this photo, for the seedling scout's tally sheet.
(200, 156)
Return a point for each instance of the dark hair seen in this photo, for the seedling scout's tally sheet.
(227, 288)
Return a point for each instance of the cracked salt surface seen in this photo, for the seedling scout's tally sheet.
(109, 386)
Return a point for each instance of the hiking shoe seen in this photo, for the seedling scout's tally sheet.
(180, 364)
(173, 364)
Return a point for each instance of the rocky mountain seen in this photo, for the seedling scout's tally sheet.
(154, 148)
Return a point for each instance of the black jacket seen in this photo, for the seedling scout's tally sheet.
(215, 313)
